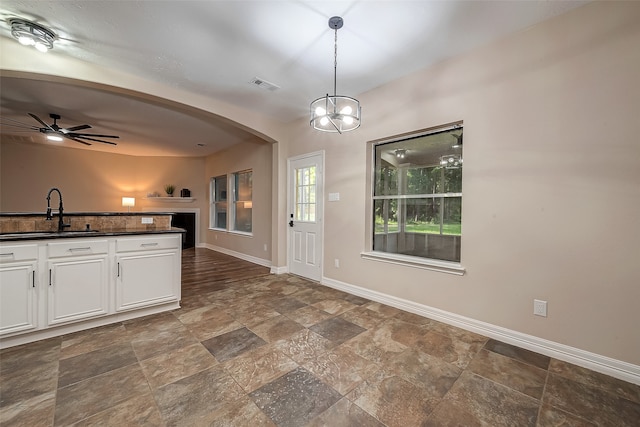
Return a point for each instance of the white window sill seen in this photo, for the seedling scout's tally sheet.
(239, 233)
(417, 262)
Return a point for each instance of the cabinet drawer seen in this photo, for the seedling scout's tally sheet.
(147, 244)
(12, 253)
(77, 247)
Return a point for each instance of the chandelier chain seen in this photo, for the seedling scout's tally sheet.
(335, 62)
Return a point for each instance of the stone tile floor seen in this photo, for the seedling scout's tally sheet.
(252, 349)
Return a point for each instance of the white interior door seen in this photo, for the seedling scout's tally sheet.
(305, 215)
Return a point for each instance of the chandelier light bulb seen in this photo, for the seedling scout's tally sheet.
(41, 47)
(321, 111)
(27, 41)
(346, 110)
(324, 121)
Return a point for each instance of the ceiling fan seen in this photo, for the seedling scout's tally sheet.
(53, 130)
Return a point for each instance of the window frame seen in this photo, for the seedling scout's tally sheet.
(214, 202)
(232, 222)
(451, 267)
(229, 202)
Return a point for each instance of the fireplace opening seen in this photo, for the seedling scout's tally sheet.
(186, 220)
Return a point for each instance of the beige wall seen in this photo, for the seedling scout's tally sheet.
(93, 181)
(551, 181)
(257, 157)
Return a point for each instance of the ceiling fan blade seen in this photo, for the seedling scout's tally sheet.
(76, 140)
(7, 121)
(41, 122)
(75, 128)
(93, 139)
(75, 134)
(19, 126)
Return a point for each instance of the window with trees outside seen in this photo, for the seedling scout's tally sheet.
(218, 197)
(242, 201)
(417, 195)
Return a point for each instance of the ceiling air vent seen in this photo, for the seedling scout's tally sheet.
(264, 84)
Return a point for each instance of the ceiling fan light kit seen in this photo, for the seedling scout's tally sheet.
(335, 113)
(31, 34)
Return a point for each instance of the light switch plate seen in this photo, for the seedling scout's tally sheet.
(334, 197)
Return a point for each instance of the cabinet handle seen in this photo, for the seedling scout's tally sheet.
(7, 254)
(33, 278)
(149, 244)
(118, 269)
(88, 248)
(49, 277)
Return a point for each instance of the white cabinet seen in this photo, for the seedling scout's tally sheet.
(18, 293)
(148, 271)
(77, 280)
(51, 287)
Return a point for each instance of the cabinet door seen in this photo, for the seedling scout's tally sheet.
(147, 278)
(78, 289)
(17, 297)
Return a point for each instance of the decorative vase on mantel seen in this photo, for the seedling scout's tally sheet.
(169, 189)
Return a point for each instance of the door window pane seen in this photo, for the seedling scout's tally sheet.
(305, 194)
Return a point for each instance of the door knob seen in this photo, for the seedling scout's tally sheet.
(291, 223)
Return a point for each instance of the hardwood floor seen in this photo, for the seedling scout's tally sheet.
(251, 348)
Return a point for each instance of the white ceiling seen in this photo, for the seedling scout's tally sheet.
(215, 48)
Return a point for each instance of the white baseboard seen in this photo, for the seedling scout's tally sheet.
(605, 365)
(279, 270)
(255, 260)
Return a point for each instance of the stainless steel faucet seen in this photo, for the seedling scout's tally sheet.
(61, 224)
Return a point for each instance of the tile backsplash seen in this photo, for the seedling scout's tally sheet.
(25, 223)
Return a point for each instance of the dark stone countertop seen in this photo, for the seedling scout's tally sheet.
(42, 235)
(43, 214)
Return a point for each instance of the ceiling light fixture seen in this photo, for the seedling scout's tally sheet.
(451, 161)
(400, 153)
(54, 138)
(31, 34)
(335, 113)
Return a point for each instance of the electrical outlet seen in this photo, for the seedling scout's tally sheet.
(336, 263)
(147, 220)
(540, 308)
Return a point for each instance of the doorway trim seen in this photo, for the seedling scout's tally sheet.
(321, 161)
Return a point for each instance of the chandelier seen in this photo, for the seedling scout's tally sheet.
(335, 113)
(451, 161)
(31, 34)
